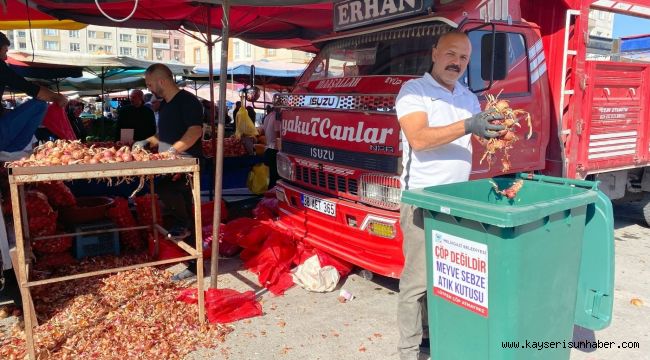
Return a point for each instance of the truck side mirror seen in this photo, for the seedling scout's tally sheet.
(494, 56)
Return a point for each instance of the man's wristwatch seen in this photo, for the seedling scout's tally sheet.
(172, 150)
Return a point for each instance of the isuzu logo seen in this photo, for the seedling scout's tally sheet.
(328, 102)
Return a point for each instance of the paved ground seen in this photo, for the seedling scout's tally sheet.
(303, 325)
(310, 326)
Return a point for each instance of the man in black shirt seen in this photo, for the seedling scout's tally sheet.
(179, 131)
(18, 126)
(137, 117)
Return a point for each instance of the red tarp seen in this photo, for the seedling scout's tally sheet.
(268, 26)
(15, 15)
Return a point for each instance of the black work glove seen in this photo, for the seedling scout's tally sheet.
(481, 124)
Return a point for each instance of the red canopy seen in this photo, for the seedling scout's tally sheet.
(15, 15)
(267, 26)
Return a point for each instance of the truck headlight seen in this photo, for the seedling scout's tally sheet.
(380, 190)
(286, 168)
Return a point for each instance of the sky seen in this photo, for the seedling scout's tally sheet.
(629, 25)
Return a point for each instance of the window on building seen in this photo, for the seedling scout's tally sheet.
(236, 45)
(142, 53)
(22, 45)
(177, 55)
(50, 45)
(271, 52)
(21, 33)
(197, 55)
(92, 48)
(248, 50)
(76, 47)
(602, 15)
(50, 32)
(108, 49)
(159, 54)
(142, 39)
(73, 33)
(108, 36)
(126, 51)
(92, 34)
(125, 37)
(177, 44)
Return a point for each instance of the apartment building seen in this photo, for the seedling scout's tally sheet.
(101, 40)
(167, 45)
(601, 24)
(196, 52)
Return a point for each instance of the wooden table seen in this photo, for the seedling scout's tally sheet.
(21, 176)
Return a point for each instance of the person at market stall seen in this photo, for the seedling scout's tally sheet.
(245, 128)
(272, 128)
(73, 111)
(17, 127)
(437, 116)
(179, 132)
(136, 116)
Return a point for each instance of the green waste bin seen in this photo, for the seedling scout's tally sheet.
(503, 274)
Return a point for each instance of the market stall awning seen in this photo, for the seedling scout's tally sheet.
(268, 23)
(267, 73)
(94, 63)
(35, 70)
(15, 15)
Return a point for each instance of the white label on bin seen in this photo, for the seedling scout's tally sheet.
(445, 210)
(460, 271)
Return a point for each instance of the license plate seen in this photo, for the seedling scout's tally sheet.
(320, 205)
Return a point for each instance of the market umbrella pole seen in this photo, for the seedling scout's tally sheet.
(216, 220)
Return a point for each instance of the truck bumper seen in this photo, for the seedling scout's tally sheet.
(344, 235)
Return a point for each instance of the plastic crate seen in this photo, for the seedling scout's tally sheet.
(96, 244)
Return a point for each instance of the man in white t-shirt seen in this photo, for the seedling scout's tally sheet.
(437, 116)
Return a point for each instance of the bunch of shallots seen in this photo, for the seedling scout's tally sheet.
(130, 315)
(64, 152)
(505, 141)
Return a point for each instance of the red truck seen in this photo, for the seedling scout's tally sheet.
(341, 155)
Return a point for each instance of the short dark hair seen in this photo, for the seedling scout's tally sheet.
(4, 41)
(161, 70)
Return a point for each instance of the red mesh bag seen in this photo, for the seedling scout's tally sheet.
(166, 248)
(122, 217)
(224, 305)
(58, 194)
(143, 209)
(42, 225)
(37, 204)
(207, 212)
(273, 262)
(226, 248)
(52, 246)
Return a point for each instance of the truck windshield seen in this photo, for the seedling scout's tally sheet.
(401, 51)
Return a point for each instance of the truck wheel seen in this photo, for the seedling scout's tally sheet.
(646, 209)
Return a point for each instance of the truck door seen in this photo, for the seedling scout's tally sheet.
(519, 69)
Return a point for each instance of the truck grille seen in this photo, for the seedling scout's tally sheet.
(327, 181)
(365, 103)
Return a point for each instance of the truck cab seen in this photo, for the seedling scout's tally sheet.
(340, 157)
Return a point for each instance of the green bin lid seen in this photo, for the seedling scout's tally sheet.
(476, 200)
(595, 299)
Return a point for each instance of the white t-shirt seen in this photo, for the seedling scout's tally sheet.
(271, 126)
(445, 164)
